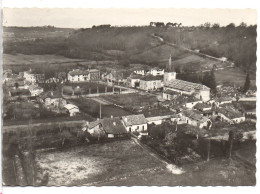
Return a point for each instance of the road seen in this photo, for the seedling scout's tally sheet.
(197, 53)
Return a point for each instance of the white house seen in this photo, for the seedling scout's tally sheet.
(78, 75)
(230, 115)
(135, 123)
(195, 118)
(33, 77)
(72, 109)
(158, 120)
(140, 72)
(156, 71)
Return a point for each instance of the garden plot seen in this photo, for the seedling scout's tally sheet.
(93, 164)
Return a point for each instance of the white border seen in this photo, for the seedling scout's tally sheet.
(235, 4)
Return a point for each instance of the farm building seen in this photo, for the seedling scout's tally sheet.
(78, 75)
(134, 123)
(108, 127)
(188, 88)
(151, 82)
(140, 72)
(72, 109)
(170, 95)
(195, 118)
(230, 115)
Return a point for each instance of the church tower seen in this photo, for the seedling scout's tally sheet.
(169, 74)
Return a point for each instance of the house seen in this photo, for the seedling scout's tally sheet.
(230, 115)
(158, 120)
(156, 71)
(134, 80)
(196, 118)
(151, 82)
(169, 94)
(35, 90)
(34, 77)
(108, 127)
(115, 77)
(140, 72)
(205, 108)
(53, 99)
(188, 88)
(222, 100)
(135, 123)
(72, 109)
(78, 75)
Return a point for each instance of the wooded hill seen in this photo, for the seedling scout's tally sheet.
(137, 45)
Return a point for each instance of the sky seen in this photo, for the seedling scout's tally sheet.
(86, 17)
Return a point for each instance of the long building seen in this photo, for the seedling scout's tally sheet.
(183, 87)
(78, 75)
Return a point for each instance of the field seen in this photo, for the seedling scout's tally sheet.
(21, 59)
(92, 107)
(124, 163)
(93, 164)
(85, 88)
(233, 76)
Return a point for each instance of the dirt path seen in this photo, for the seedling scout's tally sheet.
(168, 164)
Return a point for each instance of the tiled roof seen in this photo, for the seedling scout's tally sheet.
(201, 106)
(110, 125)
(184, 85)
(151, 78)
(134, 120)
(230, 112)
(149, 119)
(171, 92)
(195, 115)
(82, 72)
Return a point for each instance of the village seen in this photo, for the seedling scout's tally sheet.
(85, 106)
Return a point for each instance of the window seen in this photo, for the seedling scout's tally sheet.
(137, 127)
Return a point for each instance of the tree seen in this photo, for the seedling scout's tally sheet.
(243, 24)
(231, 25)
(210, 80)
(215, 25)
(247, 83)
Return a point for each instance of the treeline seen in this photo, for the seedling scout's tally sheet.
(237, 44)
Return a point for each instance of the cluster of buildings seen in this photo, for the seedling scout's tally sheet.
(189, 102)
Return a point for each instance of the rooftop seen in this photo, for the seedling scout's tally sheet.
(134, 120)
(185, 85)
(82, 72)
(110, 125)
(201, 106)
(151, 78)
(195, 115)
(230, 112)
(50, 94)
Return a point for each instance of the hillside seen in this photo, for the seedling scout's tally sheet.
(135, 44)
(138, 45)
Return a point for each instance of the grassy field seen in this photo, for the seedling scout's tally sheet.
(234, 76)
(95, 164)
(21, 59)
